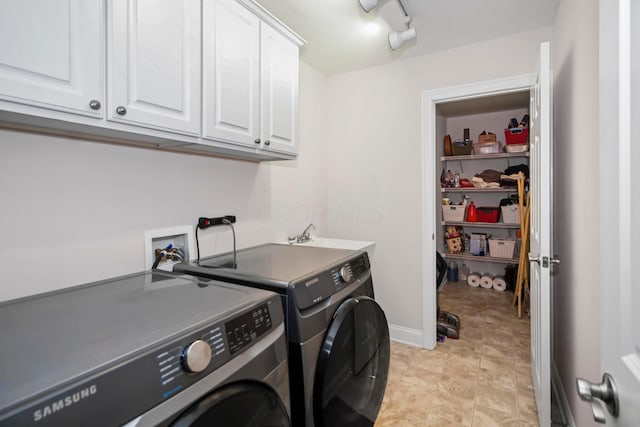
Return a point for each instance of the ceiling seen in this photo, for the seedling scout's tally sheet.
(484, 104)
(341, 37)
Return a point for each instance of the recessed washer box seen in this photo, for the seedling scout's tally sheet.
(159, 238)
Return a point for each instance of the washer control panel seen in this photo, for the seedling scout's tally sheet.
(245, 329)
(183, 363)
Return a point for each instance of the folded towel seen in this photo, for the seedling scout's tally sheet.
(481, 183)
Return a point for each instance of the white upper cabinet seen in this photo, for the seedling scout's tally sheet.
(231, 54)
(154, 64)
(279, 91)
(205, 76)
(251, 79)
(51, 54)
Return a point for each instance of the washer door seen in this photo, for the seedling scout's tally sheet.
(353, 365)
(240, 404)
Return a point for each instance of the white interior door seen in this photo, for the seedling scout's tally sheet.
(541, 174)
(619, 209)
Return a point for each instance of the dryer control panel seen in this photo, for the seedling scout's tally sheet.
(317, 288)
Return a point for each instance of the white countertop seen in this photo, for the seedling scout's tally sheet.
(328, 242)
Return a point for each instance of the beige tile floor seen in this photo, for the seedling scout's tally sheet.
(481, 379)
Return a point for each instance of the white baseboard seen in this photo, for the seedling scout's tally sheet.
(556, 383)
(405, 335)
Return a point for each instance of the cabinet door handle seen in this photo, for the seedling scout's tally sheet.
(121, 110)
(267, 142)
(257, 141)
(95, 104)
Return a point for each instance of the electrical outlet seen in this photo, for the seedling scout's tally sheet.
(180, 238)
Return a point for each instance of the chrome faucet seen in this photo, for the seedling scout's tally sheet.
(305, 236)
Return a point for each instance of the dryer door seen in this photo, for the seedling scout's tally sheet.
(244, 404)
(353, 365)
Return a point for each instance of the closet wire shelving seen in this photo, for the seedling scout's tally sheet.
(497, 225)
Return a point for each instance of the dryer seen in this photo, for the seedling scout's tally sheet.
(338, 334)
(145, 349)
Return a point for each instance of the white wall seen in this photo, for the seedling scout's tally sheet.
(374, 137)
(73, 211)
(576, 285)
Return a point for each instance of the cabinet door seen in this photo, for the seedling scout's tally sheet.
(154, 64)
(279, 92)
(51, 54)
(231, 54)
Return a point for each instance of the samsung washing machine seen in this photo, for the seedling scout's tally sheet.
(338, 334)
(144, 350)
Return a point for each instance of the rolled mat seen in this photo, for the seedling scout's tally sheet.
(486, 281)
(499, 284)
(473, 279)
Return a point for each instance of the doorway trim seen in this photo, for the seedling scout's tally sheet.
(430, 99)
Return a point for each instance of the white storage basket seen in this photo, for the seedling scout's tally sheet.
(453, 213)
(501, 248)
(511, 214)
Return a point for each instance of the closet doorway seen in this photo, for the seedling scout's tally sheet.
(537, 85)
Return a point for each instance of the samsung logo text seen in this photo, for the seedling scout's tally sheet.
(64, 402)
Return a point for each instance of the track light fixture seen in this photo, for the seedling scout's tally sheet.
(396, 38)
(368, 5)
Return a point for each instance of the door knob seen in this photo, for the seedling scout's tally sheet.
(555, 260)
(534, 258)
(121, 110)
(94, 104)
(606, 391)
(257, 141)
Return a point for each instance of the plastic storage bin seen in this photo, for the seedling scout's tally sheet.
(511, 214)
(517, 148)
(516, 135)
(501, 248)
(489, 148)
(453, 213)
(488, 214)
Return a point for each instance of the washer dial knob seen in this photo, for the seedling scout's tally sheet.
(345, 274)
(196, 356)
